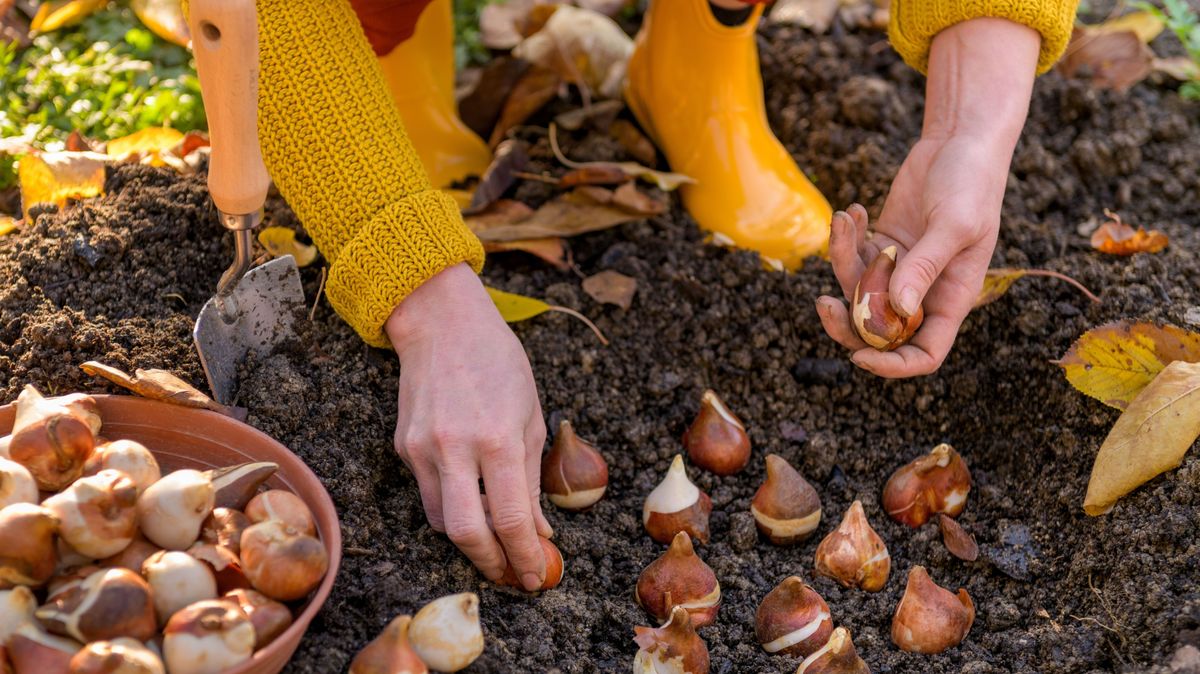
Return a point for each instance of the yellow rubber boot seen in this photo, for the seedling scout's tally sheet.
(420, 75)
(695, 86)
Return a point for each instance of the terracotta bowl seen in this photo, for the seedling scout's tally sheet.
(181, 437)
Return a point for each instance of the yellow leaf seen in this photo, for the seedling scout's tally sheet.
(515, 308)
(1150, 438)
(280, 241)
(54, 14)
(146, 145)
(1145, 25)
(8, 224)
(55, 177)
(1114, 362)
(164, 18)
(584, 47)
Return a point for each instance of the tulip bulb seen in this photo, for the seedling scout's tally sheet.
(837, 656)
(207, 637)
(53, 437)
(390, 652)
(935, 483)
(269, 617)
(225, 566)
(875, 321)
(929, 618)
(786, 508)
(554, 568)
(178, 580)
(676, 505)
(283, 506)
(119, 656)
(958, 541)
(446, 633)
(673, 648)
(16, 484)
(574, 474)
(35, 651)
(793, 619)
(853, 554)
(236, 485)
(224, 527)
(97, 514)
(717, 441)
(133, 557)
(680, 578)
(109, 603)
(281, 562)
(129, 457)
(30, 553)
(172, 509)
(16, 608)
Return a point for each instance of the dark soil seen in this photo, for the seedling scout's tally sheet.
(121, 278)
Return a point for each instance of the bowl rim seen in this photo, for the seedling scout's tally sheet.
(332, 539)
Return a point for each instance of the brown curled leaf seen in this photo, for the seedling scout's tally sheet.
(958, 541)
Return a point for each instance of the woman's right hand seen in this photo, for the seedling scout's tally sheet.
(468, 409)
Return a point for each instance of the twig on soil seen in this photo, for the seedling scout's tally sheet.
(558, 153)
(524, 175)
(585, 319)
(1063, 277)
(320, 289)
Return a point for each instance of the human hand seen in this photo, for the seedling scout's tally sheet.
(943, 210)
(468, 408)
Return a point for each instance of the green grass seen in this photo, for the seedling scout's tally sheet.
(106, 78)
(468, 50)
(1183, 21)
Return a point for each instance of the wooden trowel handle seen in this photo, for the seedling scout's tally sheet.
(225, 43)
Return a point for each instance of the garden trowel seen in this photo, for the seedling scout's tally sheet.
(255, 310)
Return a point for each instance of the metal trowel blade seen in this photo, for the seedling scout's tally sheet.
(265, 304)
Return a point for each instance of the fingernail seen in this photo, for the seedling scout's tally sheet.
(859, 363)
(531, 581)
(909, 301)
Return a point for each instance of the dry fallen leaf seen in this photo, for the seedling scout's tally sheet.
(633, 141)
(54, 14)
(515, 308)
(502, 25)
(1150, 437)
(77, 142)
(481, 106)
(8, 225)
(1117, 238)
(56, 177)
(604, 174)
(145, 146)
(1114, 60)
(664, 180)
(537, 87)
(510, 156)
(280, 241)
(1146, 25)
(585, 48)
(629, 197)
(553, 250)
(161, 385)
(958, 541)
(185, 156)
(1182, 68)
(1114, 362)
(997, 282)
(816, 15)
(600, 115)
(164, 18)
(610, 287)
(569, 214)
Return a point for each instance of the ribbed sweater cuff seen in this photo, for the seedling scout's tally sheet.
(403, 246)
(914, 24)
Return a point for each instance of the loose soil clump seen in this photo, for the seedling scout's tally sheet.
(120, 279)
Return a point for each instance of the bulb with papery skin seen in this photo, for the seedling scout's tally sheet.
(786, 508)
(935, 483)
(390, 652)
(16, 608)
(281, 562)
(554, 568)
(792, 619)
(127, 456)
(853, 554)
(574, 473)
(673, 648)
(133, 557)
(446, 633)
(171, 510)
(36, 651)
(676, 505)
(269, 617)
(282, 506)
(234, 486)
(874, 318)
(680, 578)
(224, 527)
(98, 514)
(178, 580)
(16, 484)
(206, 638)
(53, 437)
(930, 618)
(717, 441)
(30, 552)
(119, 656)
(109, 603)
(837, 656)
(226, 567)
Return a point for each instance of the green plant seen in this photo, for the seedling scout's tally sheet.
(468, 49)
(105, 78)
(1183, 21)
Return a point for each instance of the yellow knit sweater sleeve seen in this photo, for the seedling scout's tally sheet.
(336, 148)
(914, 24)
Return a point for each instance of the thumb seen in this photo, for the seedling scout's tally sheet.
(917, 271)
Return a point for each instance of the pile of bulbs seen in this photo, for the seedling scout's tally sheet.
(445, 635)
(682, 592)
(124, 570)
